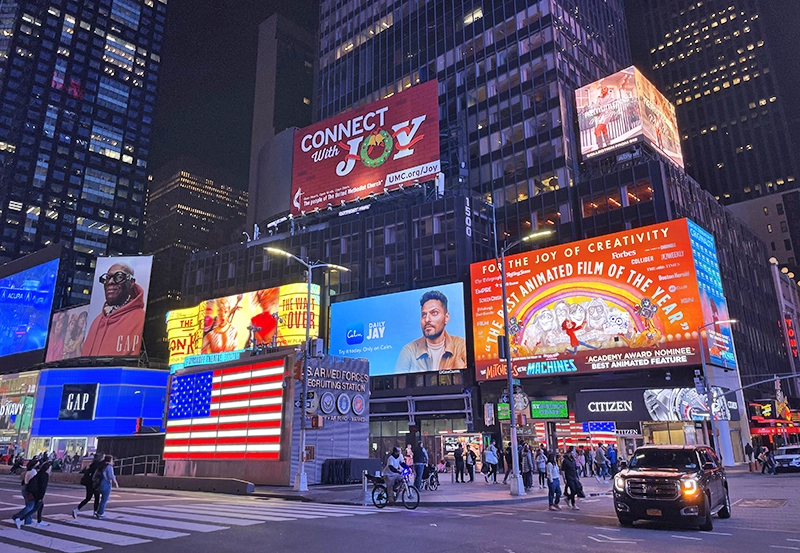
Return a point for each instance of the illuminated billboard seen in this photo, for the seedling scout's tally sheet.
(630, 300)
(407, 332)
(216, 327)
(67, 332)
(366, 151)
(622, 109)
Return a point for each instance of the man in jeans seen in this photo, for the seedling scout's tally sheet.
(420, 460)
(601, 462)
(393, 471)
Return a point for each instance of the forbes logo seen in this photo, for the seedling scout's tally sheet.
(355, 333)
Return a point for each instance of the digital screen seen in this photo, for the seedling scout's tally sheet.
(407, 332)
(78, 402)
(620, 110)
(370, 150)
(623, 301)
(549, 409)
(26, 299)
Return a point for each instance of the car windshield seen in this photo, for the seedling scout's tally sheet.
(675, 459)
(789, 451)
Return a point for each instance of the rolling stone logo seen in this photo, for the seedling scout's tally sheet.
(367, 151)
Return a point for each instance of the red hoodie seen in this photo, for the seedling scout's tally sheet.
(119, 333)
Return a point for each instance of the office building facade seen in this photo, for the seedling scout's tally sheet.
(78, 99)
(723, 64)
(190, 207)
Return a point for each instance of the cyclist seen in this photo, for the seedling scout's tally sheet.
(393, 471)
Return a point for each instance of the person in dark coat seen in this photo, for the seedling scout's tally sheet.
(458, 455)
(36, 488)
(508, 460)
(87, 482)
(572, 486)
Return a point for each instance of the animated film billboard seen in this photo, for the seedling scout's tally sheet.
(234, 323)
(623, 301)
(623, 108)
(414, 331)
(372, 149)
(111, 324)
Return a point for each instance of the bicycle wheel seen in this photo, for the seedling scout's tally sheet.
(433, 483)
(410, 498)
(380, 496)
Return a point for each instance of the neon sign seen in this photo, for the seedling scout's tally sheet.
(791, 334)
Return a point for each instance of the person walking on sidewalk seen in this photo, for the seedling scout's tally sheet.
(420, 458)
(35, 490)
(572, 481)
(458, 457)
(491, 460)
(612, 459)
(103, 484)
(541, 467)
(469, 460)
(748, 455)
(580, 462)
(87, 482)
(601, 462)
(526, 466)
(588, 457)
(30, 472)
(553, 483)
(508, 461)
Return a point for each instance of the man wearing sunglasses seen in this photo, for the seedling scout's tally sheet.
(117, 330)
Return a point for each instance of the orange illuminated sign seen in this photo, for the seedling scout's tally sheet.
(623, 301)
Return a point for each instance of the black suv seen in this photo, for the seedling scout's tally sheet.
(684, 484)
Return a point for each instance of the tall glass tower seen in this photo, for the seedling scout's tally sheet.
(506, 70)
(77, 98)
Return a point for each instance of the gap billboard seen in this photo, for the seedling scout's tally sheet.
(622, 109)
(630, 300)
(374, 149)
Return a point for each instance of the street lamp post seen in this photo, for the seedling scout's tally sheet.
(301, 480)
(709, 393)
(516, 485)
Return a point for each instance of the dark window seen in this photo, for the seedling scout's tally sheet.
(780, 209)
(787, 244)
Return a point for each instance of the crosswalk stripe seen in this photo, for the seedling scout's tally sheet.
(170, 513)
(173, 524)
(301, 508)
(326, 506)
(291, 512)
(228, 513)
(90, 535)
(40, 540)
(8, 548)
(155, 533)
(286, 515)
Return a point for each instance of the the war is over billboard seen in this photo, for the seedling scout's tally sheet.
(371, 150)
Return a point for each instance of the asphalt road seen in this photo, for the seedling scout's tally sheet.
(142, 521)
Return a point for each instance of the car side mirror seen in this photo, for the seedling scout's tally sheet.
(623, 464)
(709, 466)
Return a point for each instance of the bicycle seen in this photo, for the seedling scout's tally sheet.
(403, 490)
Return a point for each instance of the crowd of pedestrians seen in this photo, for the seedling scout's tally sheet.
(98, 479)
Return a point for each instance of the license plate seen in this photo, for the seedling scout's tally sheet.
(654, 512)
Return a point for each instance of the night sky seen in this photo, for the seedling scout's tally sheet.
(207, 79)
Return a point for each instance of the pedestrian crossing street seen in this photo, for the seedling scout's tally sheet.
(125, 525)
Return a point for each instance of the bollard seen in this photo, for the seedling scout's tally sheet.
(366, 499)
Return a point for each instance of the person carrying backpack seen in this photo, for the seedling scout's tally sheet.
(87, 481)
(103, 479)
(35, 490)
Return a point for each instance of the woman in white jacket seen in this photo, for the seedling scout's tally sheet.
(490, 457)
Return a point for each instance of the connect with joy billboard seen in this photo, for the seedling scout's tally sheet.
(622, 109)
(407, 332)
(631, 300)
(370, 150)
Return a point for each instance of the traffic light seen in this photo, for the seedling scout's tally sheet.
(316, 422)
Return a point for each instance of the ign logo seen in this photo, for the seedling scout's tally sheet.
(355, 333)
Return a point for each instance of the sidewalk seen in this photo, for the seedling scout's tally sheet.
(449, 493)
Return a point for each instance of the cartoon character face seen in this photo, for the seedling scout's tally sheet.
(646, 309)
(562, 312)
(577, 313)
(597, 314)
(546, 320)
(617, 322)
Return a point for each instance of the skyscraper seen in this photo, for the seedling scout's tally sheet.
(190, 206)
(724, 65)
(506, 79)
(77, 99)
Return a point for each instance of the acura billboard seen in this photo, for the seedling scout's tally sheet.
(371, 150)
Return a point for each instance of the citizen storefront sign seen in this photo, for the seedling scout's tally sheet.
(78, 402)
(662, 404)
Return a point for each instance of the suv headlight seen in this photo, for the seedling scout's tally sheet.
(619, 483)
(689, 486)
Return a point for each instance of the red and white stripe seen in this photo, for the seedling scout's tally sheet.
(571, 433)
(244, 421)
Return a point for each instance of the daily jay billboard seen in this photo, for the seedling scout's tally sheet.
(629, 300)
(371, 150)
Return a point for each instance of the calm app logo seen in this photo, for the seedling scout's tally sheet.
(355, 333)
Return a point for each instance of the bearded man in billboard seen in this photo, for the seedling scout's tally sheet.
(117, 329)
(436, 350)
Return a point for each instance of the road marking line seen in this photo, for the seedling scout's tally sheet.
(7, 548)
(545, 533)
(468, 515)
(173, 524)
(169, 513)
(45, 542)
(717, 533)
(607, 529)
(595, 539)
(283, 513)
(686, 538)
(155, 533)
(785, 547)
(228, 513)
(504, 514)
(535, 521)
(563, 518)
(354, 509)
(290, 510)
(616, 540)
(90, 535)
(790, 539)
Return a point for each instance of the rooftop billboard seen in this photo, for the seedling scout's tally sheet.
(623, 301)
(407, 332)
(373, 149)
(623, 109)
(220, 326)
